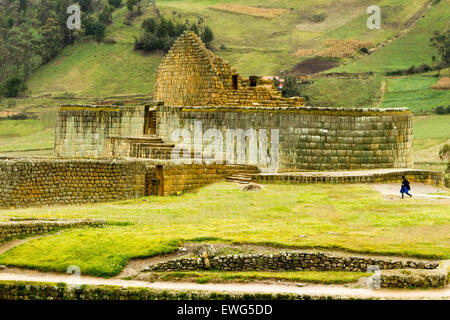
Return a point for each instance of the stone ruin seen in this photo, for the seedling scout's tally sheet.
(111, 152)
(191, 75)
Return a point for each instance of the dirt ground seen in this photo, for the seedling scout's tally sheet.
(315, 65)
(418, 190)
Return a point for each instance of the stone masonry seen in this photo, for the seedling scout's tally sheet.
(191, 75)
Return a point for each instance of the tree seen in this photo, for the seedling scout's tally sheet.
(85, 5)
(12, 87)
(115, 3)
(207, 36)
(131, 4)
(105, 16)
(52, 39)
(441, 41)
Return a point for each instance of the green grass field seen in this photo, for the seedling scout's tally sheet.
(351, 217)
(344, 93)
(415, 93)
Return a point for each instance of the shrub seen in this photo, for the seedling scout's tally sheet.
(12, 87)
(442, 110)
(147, 42)
(207, 36)
(316, 18)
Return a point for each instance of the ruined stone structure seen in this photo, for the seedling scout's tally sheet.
(191, 75)
(113, 152)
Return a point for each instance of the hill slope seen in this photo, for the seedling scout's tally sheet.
(253, 45)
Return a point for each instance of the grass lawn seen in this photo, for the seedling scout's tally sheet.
(350, 217)
(323, 277)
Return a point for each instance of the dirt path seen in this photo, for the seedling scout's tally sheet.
(310, 289)
(418, 190)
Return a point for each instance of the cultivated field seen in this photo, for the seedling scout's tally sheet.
(268, 13)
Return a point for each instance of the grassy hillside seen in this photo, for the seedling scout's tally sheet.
(254, 45)
(411, 49)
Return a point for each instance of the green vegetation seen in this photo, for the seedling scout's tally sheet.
(322, 277)
(415, 93)
(23, 135)
(412, 49)
(345, 93)
(161, 34)
(350, 217)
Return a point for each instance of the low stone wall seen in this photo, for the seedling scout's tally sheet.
(288, 261)
(370, 176)
(414, 278)
(189, 177)
(21, 290)
(13, 229)
(25, 182)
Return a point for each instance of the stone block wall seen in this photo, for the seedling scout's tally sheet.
(192, 75)
(10, 230)
(414, 278)
(309, 138)
(25, 182)
(81, 130)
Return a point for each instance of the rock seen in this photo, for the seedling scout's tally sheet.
(2, 267)
(205, 247)
(251, 187)
(183, 249)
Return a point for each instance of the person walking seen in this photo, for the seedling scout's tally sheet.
(405, 187)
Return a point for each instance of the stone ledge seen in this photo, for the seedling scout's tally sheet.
(14, 229)
(24, 290)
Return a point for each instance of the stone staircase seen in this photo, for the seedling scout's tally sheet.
(242, 177)
(151, 147)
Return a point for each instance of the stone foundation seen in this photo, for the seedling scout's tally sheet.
(370, 176)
